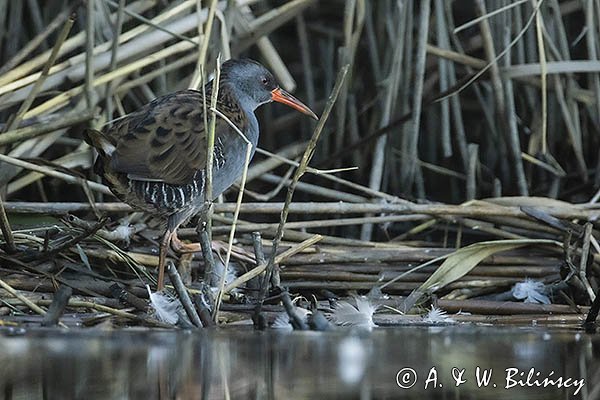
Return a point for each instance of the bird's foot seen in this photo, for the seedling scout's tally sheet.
(237, 252)
(218, 247)
(181, 247)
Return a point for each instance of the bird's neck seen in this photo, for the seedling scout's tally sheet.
(228, 90)
(231, 100)
(247, 103)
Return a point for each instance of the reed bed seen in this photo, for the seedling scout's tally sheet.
(457, 158)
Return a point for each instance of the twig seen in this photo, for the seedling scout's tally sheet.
(210, 276)
(325, 223)
(7, 230)
(112, 311)
(183, 295)
(72, 242)
(259, 255)
(26, 301)
(124, 296)
(487, 15)
(475, 210)
(152, 24)
(57, 307)
(259, 270)
(505, 307)
(308, 153)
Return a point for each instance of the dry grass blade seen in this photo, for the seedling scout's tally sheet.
(253, 273)
(462, 261)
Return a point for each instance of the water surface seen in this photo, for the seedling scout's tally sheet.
(345, 364)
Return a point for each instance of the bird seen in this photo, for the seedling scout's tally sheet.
(154, 159)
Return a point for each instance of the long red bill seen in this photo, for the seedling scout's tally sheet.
(281, 96)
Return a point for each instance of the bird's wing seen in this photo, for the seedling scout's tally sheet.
(164, 141)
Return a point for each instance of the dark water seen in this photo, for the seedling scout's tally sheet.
(243, 364)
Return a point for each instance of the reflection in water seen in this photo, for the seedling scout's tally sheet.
(243, 364)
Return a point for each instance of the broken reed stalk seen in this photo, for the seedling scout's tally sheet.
(507, 308)
(210, 275)
(57, 307)
(480, 210)
(34, 307)
(183, 295)
(544, 74)
(108, 310)
(306, 157)
(585, 251)
(7, 232)
(259, 255)
(325, 223)
(279, 259)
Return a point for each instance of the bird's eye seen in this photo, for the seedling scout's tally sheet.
(265, 80)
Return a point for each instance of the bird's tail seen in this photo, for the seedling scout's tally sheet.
(99, 141)
(103, 145)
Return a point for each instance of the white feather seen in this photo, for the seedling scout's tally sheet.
(346, 314)
(437, 315)
(232, 271)
(531, 291)
(282, 321)
(166, 308)
(124, 233)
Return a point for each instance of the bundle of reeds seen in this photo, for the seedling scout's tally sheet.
(456, 156)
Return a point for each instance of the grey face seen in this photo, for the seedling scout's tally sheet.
(250, 79)
(254, 85)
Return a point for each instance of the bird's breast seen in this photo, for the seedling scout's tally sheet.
(230, 155)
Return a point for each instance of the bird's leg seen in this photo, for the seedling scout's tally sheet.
(162, 257)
